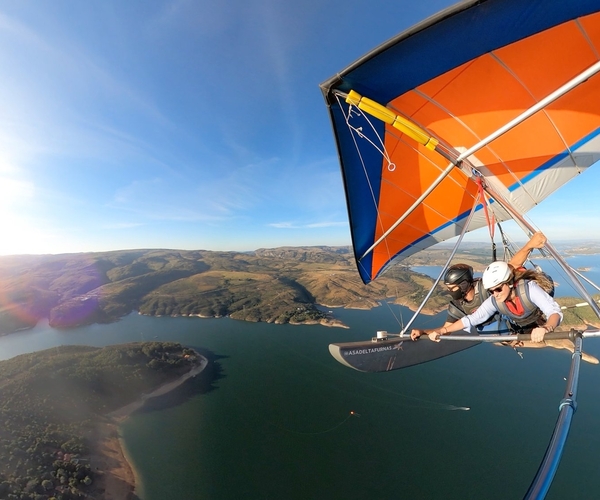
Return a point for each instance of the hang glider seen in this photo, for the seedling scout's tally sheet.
(487, 107)
(505, 91)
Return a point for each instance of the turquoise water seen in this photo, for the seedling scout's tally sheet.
(272, 420)
(565, 289)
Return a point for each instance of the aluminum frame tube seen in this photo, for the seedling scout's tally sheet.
(547, 469)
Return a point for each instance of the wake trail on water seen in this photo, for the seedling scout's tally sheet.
(405, 400)
(417, 402)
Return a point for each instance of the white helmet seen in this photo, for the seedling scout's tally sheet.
(495, 274)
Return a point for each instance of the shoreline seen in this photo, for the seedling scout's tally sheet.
(118, 478)
(327, 322)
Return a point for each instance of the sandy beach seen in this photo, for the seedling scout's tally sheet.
(116, 478)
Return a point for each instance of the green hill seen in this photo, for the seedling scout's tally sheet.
(278, 285)
(282, 285)
(52, 402)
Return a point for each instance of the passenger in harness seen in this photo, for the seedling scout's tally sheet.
(468, 293)
(516, 295)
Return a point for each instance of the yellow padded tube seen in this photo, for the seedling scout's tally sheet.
(388, 116)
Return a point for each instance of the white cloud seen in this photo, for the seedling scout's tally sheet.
(284, 225)
(122, 225)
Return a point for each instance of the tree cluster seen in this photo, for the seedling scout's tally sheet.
(52, 401)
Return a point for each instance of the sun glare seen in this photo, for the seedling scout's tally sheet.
(17, 232)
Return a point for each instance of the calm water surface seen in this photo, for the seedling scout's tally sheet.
(275, 422)
(587, 265)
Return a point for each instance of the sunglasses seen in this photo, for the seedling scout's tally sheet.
(498, 289)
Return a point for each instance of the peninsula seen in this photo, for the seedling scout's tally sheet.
(61, 412)
(281, 285)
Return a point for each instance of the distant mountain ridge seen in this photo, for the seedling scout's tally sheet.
(274, 285)
(280, 285)
(307, 254)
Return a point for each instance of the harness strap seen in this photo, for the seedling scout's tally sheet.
(530, 312)
(508, 253)
(489, 219)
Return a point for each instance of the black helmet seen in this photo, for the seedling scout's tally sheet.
(457, 274)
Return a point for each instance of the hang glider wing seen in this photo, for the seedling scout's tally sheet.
(507, 90)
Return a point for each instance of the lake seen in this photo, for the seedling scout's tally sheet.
(587, 265)
(276, 422)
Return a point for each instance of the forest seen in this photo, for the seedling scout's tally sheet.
(52, 401)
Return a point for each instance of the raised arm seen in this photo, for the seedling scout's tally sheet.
(537, 240)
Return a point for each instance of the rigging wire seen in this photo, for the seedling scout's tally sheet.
(358, 132)
(508, 249)
(355, 109)
(420, 308)
(556, 269)
(380, 147)
(522, 221)
(489, 219)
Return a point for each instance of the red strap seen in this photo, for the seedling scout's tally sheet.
(490, 221)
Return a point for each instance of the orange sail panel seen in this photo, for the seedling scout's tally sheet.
(461, 76)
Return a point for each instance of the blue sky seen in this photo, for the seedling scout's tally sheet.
(190, 124)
